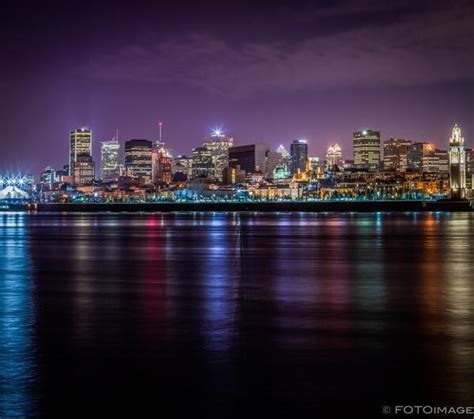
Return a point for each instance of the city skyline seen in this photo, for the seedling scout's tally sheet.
(315, 70)
(347, 152)
(221, 169)
(237, 209)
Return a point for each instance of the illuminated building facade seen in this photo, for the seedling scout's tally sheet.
(84, 170)
(202, 163)
(162, 163)
(469, 161)
(315, 166)
(422, 157)
(333, 156)
(457, 164)
(299, 156)
(80, 143)
(138, 159)
(442, 161)
(184, 166)
(366, 150)
(395, 155)
(218, 144)
(109, 160)
(165, 169)
(281, 173)
(234, 175)
(284, 158)
(48, 177)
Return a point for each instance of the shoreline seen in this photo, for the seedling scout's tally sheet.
(289, 206)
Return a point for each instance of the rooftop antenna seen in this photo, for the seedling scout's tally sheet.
(116, 135)
(160, 124)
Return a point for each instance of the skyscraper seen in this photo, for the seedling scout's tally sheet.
(469, 161)
(48, 177)
(218, 144)
(366, 150)
(422, 157)
(84, 170)
(164, 173)
(443, 161)
(395, 155)
(109, 160)
(80, 142)
(183, 165)
(162, 162)
(285, 157)
(251, 158)
(333, 156)
(202, 164)
(138, 159)
(457, 163)
(299, 156)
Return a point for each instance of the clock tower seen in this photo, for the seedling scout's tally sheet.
(457, 164)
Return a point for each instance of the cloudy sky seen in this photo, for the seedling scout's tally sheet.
(266, 72)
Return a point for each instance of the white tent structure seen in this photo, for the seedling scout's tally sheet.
(12, 192)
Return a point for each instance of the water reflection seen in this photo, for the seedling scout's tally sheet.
(226, 315)
(458, 272)
(18, 378)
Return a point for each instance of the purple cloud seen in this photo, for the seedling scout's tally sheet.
(419, 49)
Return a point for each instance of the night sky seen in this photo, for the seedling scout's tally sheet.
(265, 73)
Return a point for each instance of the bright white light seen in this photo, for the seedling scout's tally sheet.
(217, 132)
(17, 180)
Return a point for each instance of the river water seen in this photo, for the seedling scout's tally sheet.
(228, 315)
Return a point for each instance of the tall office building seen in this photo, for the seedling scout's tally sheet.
(430, 162)
(202, 163)
(83, 169)
(457, 163)
(183, 165)
(80, 142)
(366, 150)
(162, 162)
(165, 165)
(272, 161)
(422, 157)
(333, 156)
(138, 159)
(443, 161)
(48, 177)
(285, 158)
(218, 144)
(395, 155)
(470, 169)
(109, 160)
(469, 161)
(252, 158)
(299, 156)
